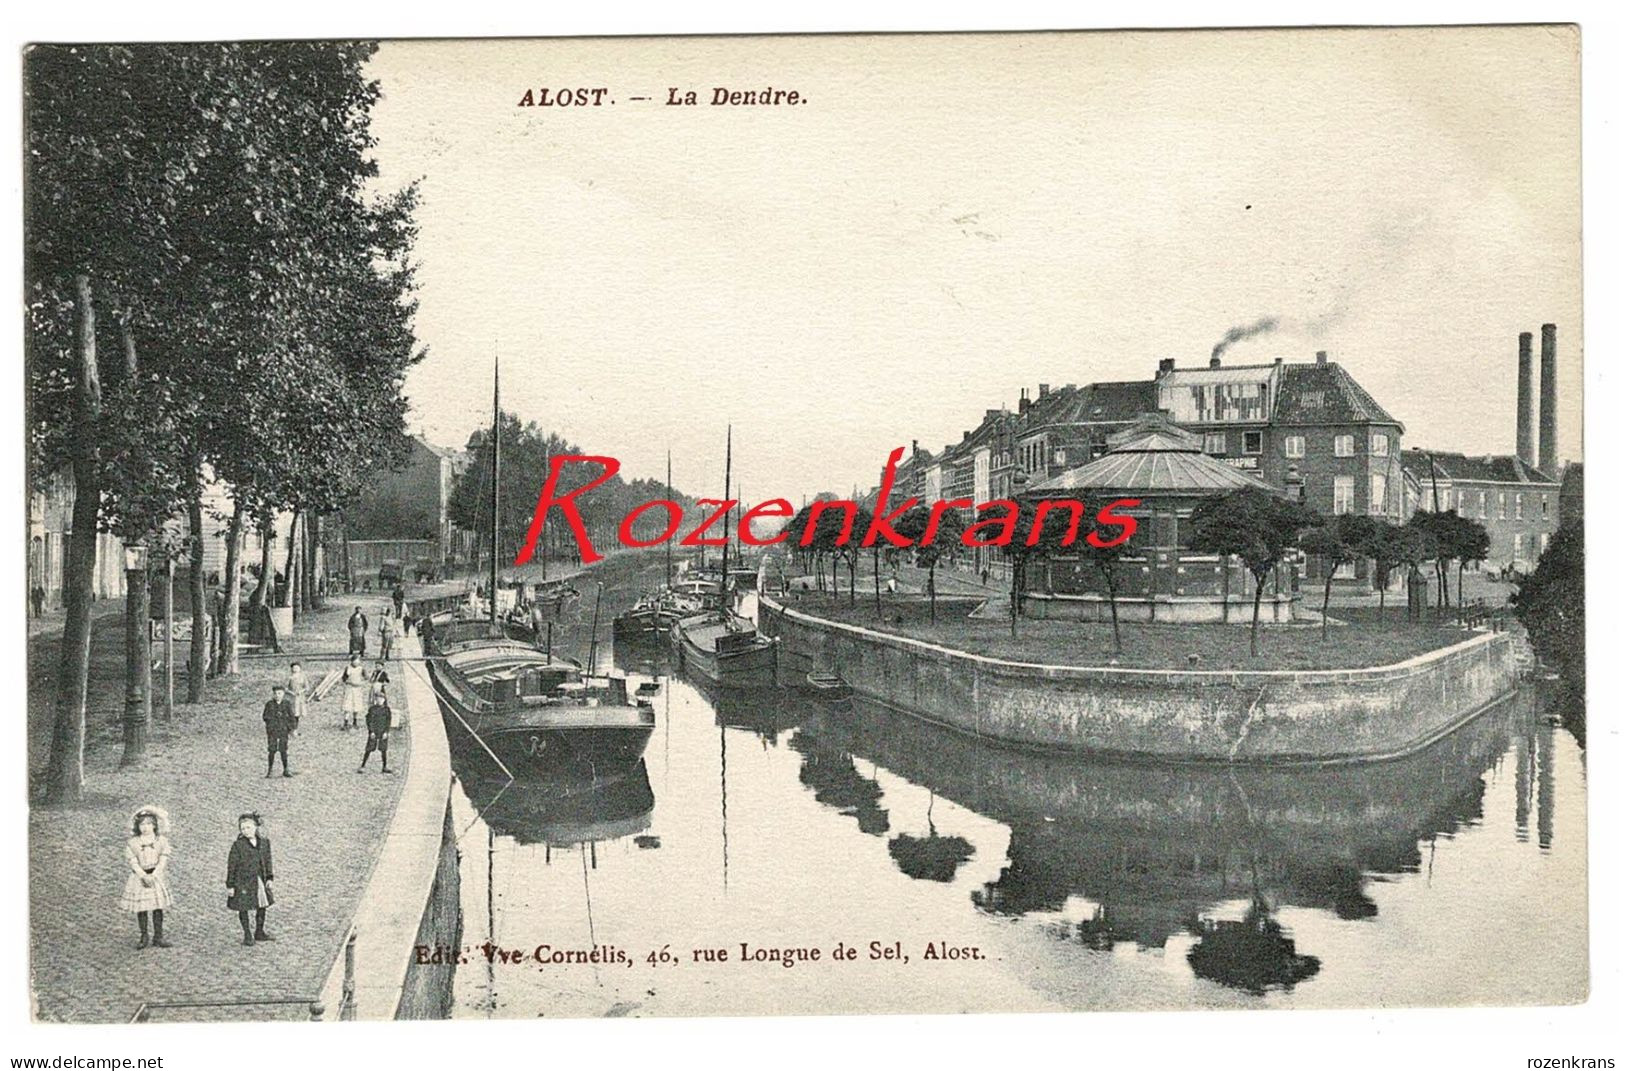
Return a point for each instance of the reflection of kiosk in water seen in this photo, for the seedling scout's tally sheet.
(1160, 847)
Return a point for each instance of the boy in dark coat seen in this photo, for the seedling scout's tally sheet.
(248, 877)
(280, 723)
(379, 717)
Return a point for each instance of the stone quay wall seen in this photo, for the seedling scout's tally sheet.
(1280, 716)
(412, 896)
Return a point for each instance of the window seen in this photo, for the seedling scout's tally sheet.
(1379, 445)
(1501, 504)
(1483, 506)
(1545, 538)
(1379, 493)
(1213, 442)
(1517, 506)
(1343, 446)
(1342, 494)
(1444, 499)
(1292, 446)
(1252, 442)
(1517, 546)
(1545, 506)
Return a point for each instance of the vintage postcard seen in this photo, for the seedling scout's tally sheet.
(794, 525)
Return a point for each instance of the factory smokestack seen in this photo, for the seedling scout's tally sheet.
(1526, 401)
(1548, 399)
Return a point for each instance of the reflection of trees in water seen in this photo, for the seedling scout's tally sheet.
(932, 857)
(1158, 845)
(1254, 954)
(836, 783)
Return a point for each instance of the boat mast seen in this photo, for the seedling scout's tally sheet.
(668, 542)
(727, 487)
(496, 477)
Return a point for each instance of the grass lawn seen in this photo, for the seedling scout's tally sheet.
(1365, 642)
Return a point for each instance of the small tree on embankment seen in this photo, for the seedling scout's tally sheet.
(1338, 542)
(1256, 526)
(914, 525)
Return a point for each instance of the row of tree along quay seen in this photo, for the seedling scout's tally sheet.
(216, 291)
(1253, 526)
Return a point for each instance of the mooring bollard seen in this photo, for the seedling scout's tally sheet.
(317, 1009)
(347, 1002)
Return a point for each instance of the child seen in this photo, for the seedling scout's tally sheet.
(355, 684)
(379, 717)
(298, 687)
(248, 877)
(280, 722)
(146, 890)
(386, 634)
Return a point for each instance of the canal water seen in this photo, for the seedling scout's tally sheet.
(931, 872)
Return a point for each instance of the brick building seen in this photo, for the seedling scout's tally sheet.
(1270, 419)
(1518, 505)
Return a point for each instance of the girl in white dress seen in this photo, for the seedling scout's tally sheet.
(298, 687)
(146, 890)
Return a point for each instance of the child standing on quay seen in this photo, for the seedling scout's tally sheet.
(146, 890)
(354, 680)
(248, 877)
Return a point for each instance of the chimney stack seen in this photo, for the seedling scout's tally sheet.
(1548, 399)
(1320, 356)
(1526, 400)
(1165, 365)
(1043, 389)
(1213, 361)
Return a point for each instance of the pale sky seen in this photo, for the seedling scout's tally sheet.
(948, 219)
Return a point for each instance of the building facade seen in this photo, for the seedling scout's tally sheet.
(1519, 506)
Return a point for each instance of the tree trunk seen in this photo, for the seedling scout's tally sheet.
(230, 612)
(878, 613)
(290, 568)
(1461, 603)
(931, 587)
(1382, 602)
(1111, 599)
(137, 611)
(196, 665)
(65, 770)
(1258, 597)
(1224, 579)
(137, 665)
(852, 579)
(1015, 597)
(1325, 605)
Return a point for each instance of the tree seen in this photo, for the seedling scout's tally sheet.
(1550, 602)
(1471, 543)
(1442, 531)
(847, 550)
(1338, 542)
(1256, 526)
(1382, 546)
(1413, 546)
(1104, 559)
(1023, 549)
(255, 286)
(950, 529)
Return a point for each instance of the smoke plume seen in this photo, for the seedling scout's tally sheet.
(1236, 334)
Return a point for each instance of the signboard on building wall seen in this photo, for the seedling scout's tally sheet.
(1250, 463)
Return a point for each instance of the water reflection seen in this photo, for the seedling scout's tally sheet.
(780, 818)
(1158, 848)
(564, 813)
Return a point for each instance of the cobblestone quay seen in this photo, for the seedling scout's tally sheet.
(205, 768)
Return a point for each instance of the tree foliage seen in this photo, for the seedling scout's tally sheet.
(1254, 525)
(1550, 602)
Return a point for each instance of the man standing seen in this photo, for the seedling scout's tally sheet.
(280, 723)
(358, 633)
(399, 596)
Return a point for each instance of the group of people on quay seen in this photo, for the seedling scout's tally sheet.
(364, 702)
